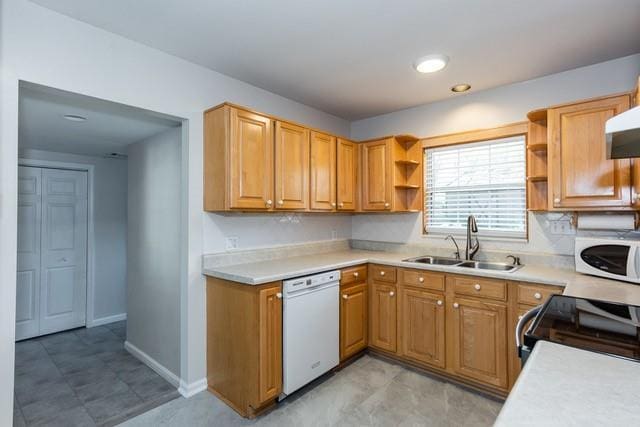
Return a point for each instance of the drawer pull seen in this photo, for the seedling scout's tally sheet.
(421, 279)
(391, 293)
(382, 273)
(356, 274)
(345, 296)
(279, 295)
(439, 302)
(456, 305)
(537, 295)
(477, 286)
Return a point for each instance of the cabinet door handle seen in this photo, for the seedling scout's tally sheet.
(537, 295)
(391, 293)
(333, 204)
(356, 274)
(341, 205)
(345, 296)
(556, 200)
(280, 202)
(477, 286)
(269, 203)
(421, 279)
(439, 302)
(382, 273)
(456, 305)
(279, 295)
(387, 205)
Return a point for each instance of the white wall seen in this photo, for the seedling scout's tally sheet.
(110, 229)
(43, 47)
(153, 268)
(490, 108)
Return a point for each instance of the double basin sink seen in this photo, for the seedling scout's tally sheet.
(475, 265)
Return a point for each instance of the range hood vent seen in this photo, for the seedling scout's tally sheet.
(623, 135)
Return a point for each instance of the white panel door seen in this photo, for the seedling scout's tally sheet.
(28, 277)
(63, 277)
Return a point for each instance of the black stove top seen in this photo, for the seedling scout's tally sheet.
(593, 325)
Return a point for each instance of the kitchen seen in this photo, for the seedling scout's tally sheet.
(317, 265)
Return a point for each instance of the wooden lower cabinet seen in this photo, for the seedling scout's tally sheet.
(478, 340)
(422, 326)
(383, 311)
(244, 344)
(353, 319)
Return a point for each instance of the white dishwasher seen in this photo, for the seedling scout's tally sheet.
(311, 335)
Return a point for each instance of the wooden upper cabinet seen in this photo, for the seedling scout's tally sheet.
(377, 184)
(580, 176)
(291, 166)
(383, 311)
(422, 327)
(478, 336)
(238, 160)
(347, 174)
(323, 171)
(270, 347)
(353, 319)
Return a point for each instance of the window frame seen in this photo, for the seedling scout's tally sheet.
(470, 137)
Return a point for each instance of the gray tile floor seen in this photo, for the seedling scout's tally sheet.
(369, 392)
(83, 377)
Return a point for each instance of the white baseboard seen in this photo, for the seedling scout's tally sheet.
(106, 320)
(188, 390)
(153, 364)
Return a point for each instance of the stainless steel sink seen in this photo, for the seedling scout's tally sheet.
(480, 265)
(434, 260)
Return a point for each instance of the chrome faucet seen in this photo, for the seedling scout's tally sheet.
(457, 252)
(471, 249)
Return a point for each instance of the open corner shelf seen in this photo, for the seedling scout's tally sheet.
(407, 186)
(538, 146)
(407, 162)
(538, 178)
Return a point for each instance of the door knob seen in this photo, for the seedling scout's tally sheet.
(456, 305)
(391, 293)
(279, 295)
(345, 296)
(537, 295)
(421, 279)
(477, 286)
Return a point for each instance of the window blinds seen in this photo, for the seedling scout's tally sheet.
(486, 179)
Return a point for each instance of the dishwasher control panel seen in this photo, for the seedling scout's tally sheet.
(294, 285)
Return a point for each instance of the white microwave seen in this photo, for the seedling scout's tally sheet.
(611, 258)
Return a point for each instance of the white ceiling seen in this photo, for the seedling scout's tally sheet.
(109, 127)
(354, 58)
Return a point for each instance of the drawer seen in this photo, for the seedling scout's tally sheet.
(423, 279)
(383, 273)
(484, 288)
(535, 294)
(353, 274)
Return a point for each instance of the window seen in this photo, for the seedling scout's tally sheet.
(486, 179)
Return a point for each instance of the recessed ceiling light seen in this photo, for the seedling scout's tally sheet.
(462, 87)
(431, 63)
(74, 118)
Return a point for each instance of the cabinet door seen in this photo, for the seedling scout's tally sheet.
(250, 161)
(323, 172)
(422, 328)
(347, 170)
(292, 166)
(383, 332)
(479, 346)
(580, 174)
(376, 175)
(270, 348)
(353, 320)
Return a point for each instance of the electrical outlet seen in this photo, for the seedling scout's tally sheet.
(231, 243)
(334, 235)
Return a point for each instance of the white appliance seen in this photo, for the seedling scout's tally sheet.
(622, 133)
(611, 258)
(310, 328)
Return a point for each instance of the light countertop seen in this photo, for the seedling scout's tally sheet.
(575, 284)
(566, 386)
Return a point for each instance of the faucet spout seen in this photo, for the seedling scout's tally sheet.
(471, 248)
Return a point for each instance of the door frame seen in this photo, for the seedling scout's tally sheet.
(85, 167)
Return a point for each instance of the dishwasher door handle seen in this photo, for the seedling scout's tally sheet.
(522, 322)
